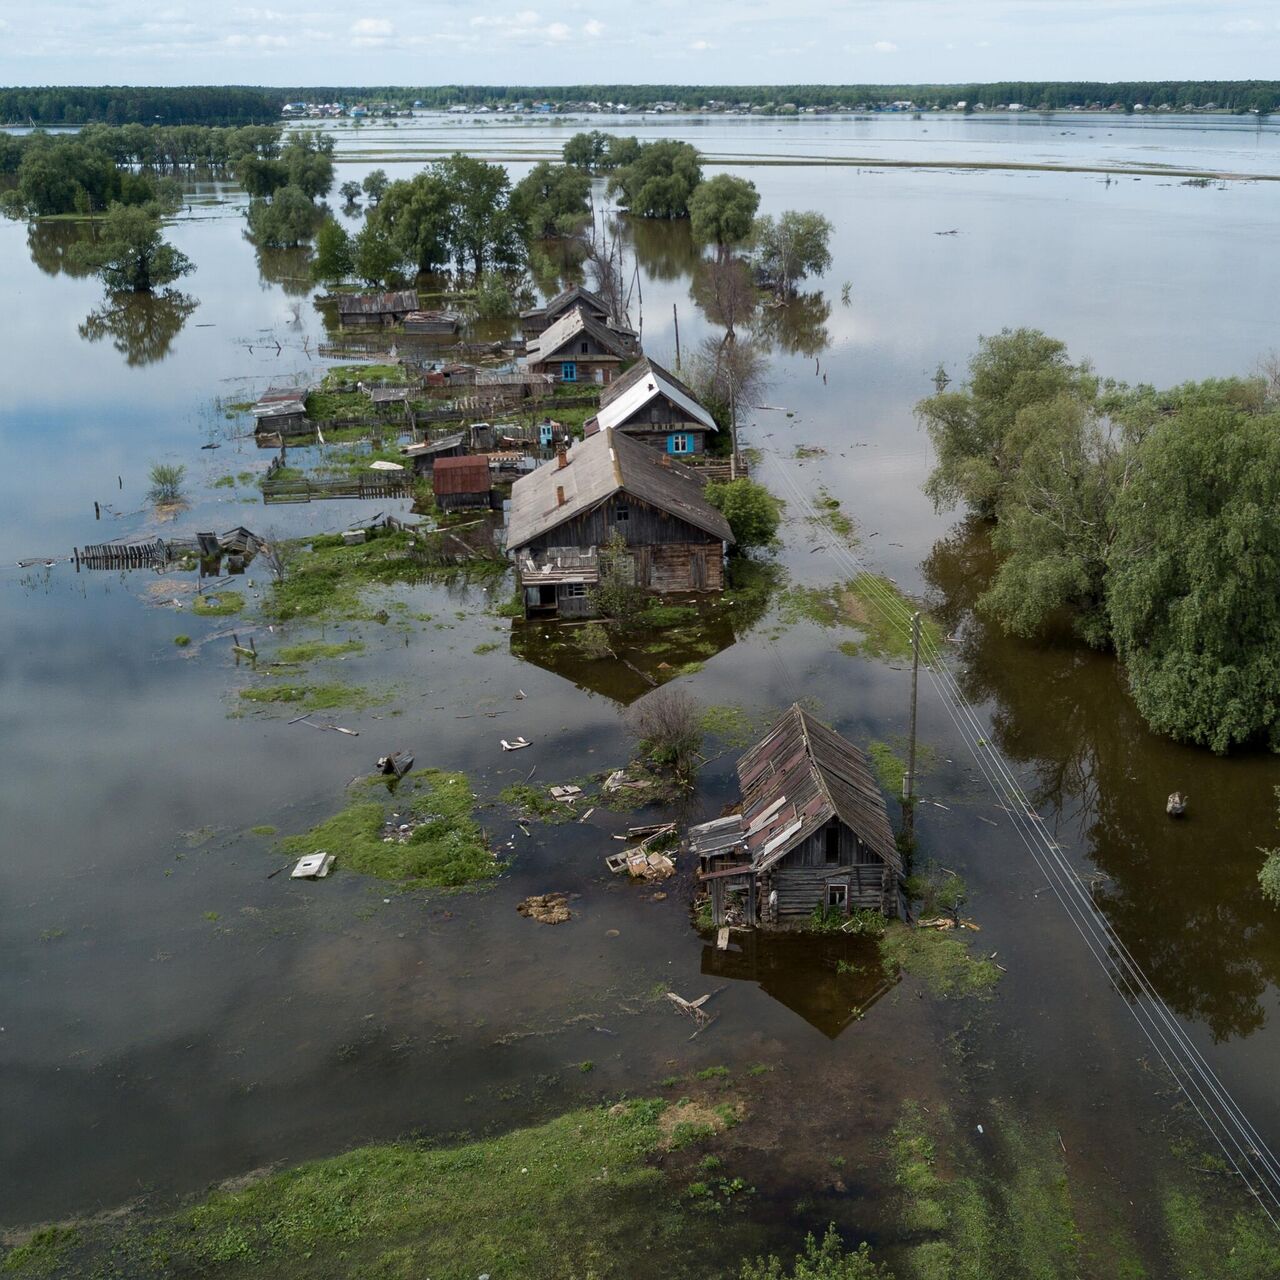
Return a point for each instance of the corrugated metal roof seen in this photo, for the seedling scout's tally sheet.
(653, 383)
(462, 475)
(565, 330)
(278, 402)
(599, 467)
(797, 778)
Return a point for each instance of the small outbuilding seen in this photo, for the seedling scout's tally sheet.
(577, 348)
(281, 411)
(813, 833)
(566, 510)
(371, 310)
(424, 456)
(437, 323)
(651, 404)
(538, 320)
(462, 483)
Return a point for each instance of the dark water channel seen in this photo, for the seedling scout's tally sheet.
(170, 1017)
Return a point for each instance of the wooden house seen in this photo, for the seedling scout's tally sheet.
(281, 411)
(577, 348)
(424, 456)
(462, 483)
(566, 510)
(371, 310)
(651, 404)
(813, 833)
(539, 319)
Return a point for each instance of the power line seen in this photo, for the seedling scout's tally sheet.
(1217, 1110)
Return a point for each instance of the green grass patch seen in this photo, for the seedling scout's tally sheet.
(1211, 1241)
(942, 961)
(224, 482)
(44, 1253)
(830, 516)
(219, 604)
(446, 849)
(871, 605)
(263, 830)
(182, 641)
(536, 803)
(729, 724)
(316, 650)
(312, 697)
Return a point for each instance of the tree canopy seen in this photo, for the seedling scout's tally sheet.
(790, 247)
(288, 218)
(551, 200)
(753, 513)
(659, 181)
(1148, 521)
(130, 253)
(722, 210)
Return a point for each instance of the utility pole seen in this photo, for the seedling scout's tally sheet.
(675, 317)
(909, 778)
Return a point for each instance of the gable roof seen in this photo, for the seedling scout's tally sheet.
(466, 474)
(641, 384)
(798, 777)
(598, 467)
(568, 297)
(279, 402)
(365, 304)
(566, 329)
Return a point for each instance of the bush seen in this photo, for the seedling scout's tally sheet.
(667, 725)
(166, 481)
(1269, 876)
(753, 513)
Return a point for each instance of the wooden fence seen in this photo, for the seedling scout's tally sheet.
(378, 484)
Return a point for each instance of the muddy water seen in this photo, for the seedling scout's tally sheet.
(171, 1016)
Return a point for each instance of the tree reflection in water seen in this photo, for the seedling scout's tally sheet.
(290, 269)
(796, 327)
(1183, 896)
(141, 326)
(50, 243)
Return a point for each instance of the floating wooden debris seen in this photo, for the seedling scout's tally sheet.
(516, 744)
(694, 1009)
(314, 866)
(1176, 805)
(397, 764)
(567, 794)
(722, 938)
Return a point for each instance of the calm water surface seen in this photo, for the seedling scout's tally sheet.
(170, 1016)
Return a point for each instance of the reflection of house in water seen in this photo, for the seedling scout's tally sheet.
(643, 660)
(829, 980)
(813, 834)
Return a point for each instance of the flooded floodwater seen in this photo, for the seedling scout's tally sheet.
(169, 1016)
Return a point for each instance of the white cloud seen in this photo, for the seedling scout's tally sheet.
(701, 46)
(375, 27)
(885, 46)
(1243, 26)
(593, 28)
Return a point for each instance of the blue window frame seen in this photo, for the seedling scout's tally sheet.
(569, 371)
(679, 442)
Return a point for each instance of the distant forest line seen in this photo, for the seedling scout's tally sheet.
(240, 105)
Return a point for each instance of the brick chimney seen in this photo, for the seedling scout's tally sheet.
(562, 457)
(560, 493)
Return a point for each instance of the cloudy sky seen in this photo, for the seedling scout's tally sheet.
(299, 42)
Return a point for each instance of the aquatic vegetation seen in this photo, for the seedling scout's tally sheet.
(870, 604)
(820, 1260)
(182, 641)
(536, 803)
(315, 650)
(311, 697)
(942, 961)
(446, 847)
(217, 604)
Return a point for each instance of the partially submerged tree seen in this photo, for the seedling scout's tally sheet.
(753, 513)
(350, 192)
(667, 727)
(659, 181)
(166, 481)
(722, 211)
(599, 152)
(332, 262)
(130, 254)
(551, 200)
(791, 247)
(375, 185)
(288, 218)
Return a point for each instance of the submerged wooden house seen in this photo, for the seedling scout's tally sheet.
(651, 404)
(538, 320)
(813, 833)
(441, 324)
(566, 510)
(462, 483)
(281, 411)
(577, 348)
(371, 310)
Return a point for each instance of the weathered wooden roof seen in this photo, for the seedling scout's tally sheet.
(797, 778)
(372, 304)
(566, 330)
(572, 296)
(468, 474)
(429, 447)
(643, 383)
(598, 467)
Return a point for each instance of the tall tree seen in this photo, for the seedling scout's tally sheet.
(791, 247)
(722, 210)
(551, 200)
(131, 254)
(659, 181)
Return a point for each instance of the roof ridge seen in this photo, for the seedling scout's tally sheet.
(802, 716)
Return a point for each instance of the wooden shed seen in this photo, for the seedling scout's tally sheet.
(424, 456)
(813, 833)
(538, 320)
(281, 411)
(461, 483)
(370, 310)
(651, 404)
(577, 348)
(439, 323)
(566, 510)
